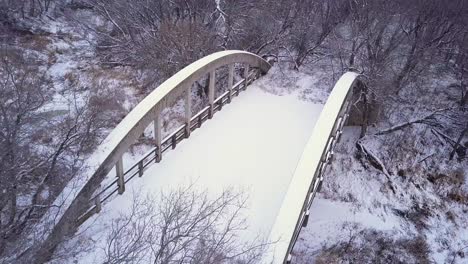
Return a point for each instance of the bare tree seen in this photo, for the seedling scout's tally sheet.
(314, 22)
(162, 35)
(183, 226)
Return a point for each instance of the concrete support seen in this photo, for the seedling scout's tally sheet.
(211, 92)
(230, 81)
(188, 110)
(158, 135)
(246, 74)
(120, 175)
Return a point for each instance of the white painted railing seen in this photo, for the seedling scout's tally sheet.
(87, 202)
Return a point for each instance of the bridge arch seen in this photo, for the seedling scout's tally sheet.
(308, 176)
(80, 207)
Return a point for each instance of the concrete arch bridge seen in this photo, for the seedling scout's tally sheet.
(291, 207)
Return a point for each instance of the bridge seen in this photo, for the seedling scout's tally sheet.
(292, 212)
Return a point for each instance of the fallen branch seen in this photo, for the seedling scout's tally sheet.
(426, 119)
(425, 158)
(447, 138)
(373, 159)
(375, 162)
(441, 140)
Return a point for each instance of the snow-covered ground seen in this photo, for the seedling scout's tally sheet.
(357, 208)
(253, 145)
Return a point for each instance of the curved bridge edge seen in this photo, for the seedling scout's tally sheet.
(305, 181)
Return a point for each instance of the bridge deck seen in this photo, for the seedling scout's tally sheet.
(254, 144)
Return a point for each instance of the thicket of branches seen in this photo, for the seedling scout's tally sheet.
(389, 41)
(399, 47)
(42, 145)
(11, 10)
(371, 246)
(183, 226)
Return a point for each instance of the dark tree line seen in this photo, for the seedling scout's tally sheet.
(11, 9)
(398, 39)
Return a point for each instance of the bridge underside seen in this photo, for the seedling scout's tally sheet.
(253, 144)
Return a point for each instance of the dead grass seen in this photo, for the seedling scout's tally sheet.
(35, 42)
(371, 246)
(456, 177)
(458, 195)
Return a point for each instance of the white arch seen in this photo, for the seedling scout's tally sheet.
(133, 125)
(308, 175)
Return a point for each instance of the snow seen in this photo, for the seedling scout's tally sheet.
(308, 86)
(253, 145)
(328, 219)
(328, 212)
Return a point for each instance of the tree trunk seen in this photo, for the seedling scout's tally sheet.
(365, 112)
(464, 99)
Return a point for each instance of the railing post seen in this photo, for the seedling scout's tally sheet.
(246, 76)
(211, 90)
(157, 135)
(339, 134)
(319, 187)
(120, 175)
(174, 141)
(140, 168)
(188, 110)
(230, 81)
(306, 218)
